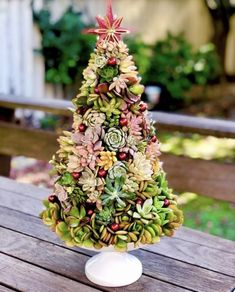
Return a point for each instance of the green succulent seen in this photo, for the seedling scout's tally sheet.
(131, 184)
(80, 101)
(135, 108)
(51, 214)
(105, 216)
(121, 245)
(117, 170)
(142, 146)
(107, 73)
(164, 191)
(112, 121)
(74, 216)
(114, 192)
(76, 195)
(173, 219)
(109, 107)
(74, 236)
(137, 89)
(63, 231)
(81, 236)
(115, 139)
(146, 212)
(151, 189)
(92, 98)
(66, 179)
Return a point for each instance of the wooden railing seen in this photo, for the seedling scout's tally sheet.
(210, 178)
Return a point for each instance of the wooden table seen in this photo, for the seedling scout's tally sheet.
(33, 259)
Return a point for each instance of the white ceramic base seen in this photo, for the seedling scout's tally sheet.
(113, 269)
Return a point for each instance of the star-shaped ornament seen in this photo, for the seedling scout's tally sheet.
(109, 28)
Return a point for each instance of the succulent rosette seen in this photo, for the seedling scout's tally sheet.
(115, 139)
(117, 170)
(111, 188)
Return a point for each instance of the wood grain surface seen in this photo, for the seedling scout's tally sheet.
(190, 261)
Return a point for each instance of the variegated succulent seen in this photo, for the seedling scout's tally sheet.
(115, 139)
(113, 192)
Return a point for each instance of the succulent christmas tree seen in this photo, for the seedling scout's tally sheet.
(111, 188)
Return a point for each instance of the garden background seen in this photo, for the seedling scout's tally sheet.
(185, 51)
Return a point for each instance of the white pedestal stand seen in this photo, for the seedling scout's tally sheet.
(113, 269)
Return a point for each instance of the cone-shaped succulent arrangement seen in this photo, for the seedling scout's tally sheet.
(111, 188)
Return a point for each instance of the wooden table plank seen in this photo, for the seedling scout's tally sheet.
(202, 238)
(193, 263)
(196, 254)
(19, 202)
(176, 248)
(65, 262)
(24, 189)
(183, 233)
(5, 289)
(26, 277)
(156, 266)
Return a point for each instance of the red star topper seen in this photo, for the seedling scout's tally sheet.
(109, 27)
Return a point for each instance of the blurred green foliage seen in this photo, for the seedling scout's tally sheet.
(173, 64)
(209, 215)
(170, 63)
(196, 146)
(206, 214)
(65, 49)
(142, 53)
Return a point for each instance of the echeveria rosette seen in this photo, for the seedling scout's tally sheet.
(107, 73)
(92, 118)
(115, 139)
(113, 192)
(111, 188)
(119, 169)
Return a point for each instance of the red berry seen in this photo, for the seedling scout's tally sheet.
(90, 212)
(85, 220)
(102, 172)
(83, 110)
(166, 203)
(123, 122)
(82, 128)
(112, 61)
(52, 198)
(97, 90)
(131, 80)
(76, 175)
(154, 139)
(143, 107)
(114, 226)
(122, 155)
(103, 88)
(139, 201)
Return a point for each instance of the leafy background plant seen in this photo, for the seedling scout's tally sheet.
(170, 63)
(65, 48)
(177, 67)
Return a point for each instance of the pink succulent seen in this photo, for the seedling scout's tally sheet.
(146, 121)
(88, 154)
(131, 145)
(130, 97)
(124, 107)
(60, 192)
(91, 136)
(135, 125)
(153, 151)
